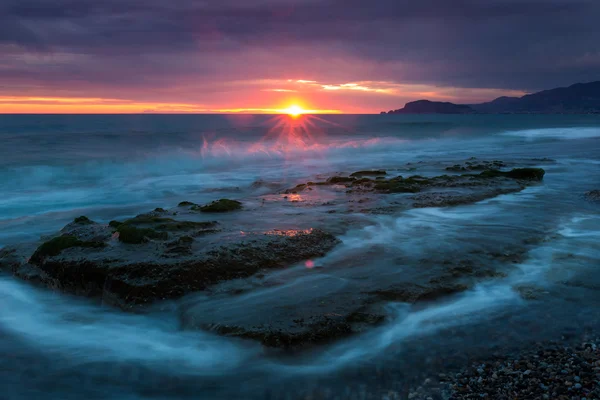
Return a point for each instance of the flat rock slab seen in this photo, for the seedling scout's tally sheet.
(132, 275)
(226, 276)
(438, 191)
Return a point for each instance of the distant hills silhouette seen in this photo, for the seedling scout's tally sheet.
(580, 98)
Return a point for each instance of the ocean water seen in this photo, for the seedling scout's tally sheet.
(54, 168)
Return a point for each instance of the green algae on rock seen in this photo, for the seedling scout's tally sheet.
(54, 246)
(377, 172)
(115, 224)
(142, 227)
(186, 204)
(529, 174)
(128, 279)
(221, 205)
(83, 220)
(339, 179)
(398, 185)
(132, 235)
(168, 224)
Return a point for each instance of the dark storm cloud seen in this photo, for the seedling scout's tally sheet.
(526, 44)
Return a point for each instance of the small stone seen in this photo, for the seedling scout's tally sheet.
(577, 379)
(569, 383)
(577, 386)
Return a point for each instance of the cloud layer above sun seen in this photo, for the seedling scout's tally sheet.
(262, 55)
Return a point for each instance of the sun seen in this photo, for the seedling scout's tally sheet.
(294, 110)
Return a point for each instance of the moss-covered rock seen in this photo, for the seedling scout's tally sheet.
(146, 219)
(222, 205)
(456, 168)
(340, 179)
(83, 220)
(174, 226)
(398, 185)
(132, 235)
(362, 181)
(53, 247)
(529, 174)
(378, 172)
(148, 226)
(186, 204)
(115, 224)
(491, 173)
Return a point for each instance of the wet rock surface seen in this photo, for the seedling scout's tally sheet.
(435, 191)
(227, 273)
(160, 258)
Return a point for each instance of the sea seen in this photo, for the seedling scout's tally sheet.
(54, 168)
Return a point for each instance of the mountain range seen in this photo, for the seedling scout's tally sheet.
(580, 98)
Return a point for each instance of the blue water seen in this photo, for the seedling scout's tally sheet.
(53, 168)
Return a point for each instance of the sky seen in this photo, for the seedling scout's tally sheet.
(351, 56)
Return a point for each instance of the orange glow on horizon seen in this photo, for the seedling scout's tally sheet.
(294, 111)
(82, 105)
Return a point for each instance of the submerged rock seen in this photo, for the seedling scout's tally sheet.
(593, 195)
(473, 165)
(411, 293)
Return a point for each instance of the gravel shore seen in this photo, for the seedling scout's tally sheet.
(551, 371)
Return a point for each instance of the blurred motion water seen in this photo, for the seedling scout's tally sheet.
(54, 168)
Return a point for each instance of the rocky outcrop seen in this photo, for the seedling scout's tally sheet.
(150, 257)
(172, 254)
(593, 195)
(443, 190)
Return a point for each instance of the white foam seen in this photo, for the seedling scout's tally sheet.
(556, 133)
(86, 333)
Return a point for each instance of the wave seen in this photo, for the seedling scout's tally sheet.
(556, 133)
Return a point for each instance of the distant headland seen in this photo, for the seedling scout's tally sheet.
(580, 98)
